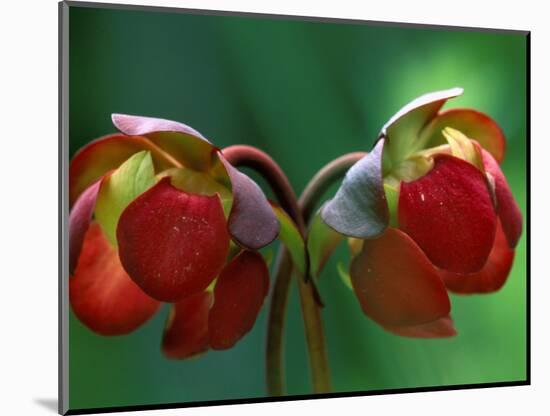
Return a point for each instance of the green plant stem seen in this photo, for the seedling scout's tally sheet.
(247, 156)
(309, 200)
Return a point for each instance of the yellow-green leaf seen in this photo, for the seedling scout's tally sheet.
(344, 275)
(268, 257)
(291, 238)
(392, 197)
(355, 245)
(121, 187)
(322, 240)
(463, 148)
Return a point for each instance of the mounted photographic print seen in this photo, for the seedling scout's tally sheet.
(265, 208)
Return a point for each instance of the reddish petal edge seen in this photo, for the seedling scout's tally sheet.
(474, 124)
(79, 221)
(507, 208)
(440, 328)
(491, 277)
(238, 297)
(102, 295)
(186, 330)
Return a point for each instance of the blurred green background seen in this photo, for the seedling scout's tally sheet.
(305, 92)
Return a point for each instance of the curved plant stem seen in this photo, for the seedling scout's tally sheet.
(275, 374)
(251, 157)
(247, 156)
(310, 198)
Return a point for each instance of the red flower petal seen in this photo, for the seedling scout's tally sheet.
(105, 154)
(493, 275)
(395, 282)
(171, 243)
(186, 332)
(473, 124)
(238, 297)
(450, 215)
(441, 328)
(79, 221)
(102, 295)
(507, 207)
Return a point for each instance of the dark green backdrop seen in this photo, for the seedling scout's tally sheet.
(305, 92)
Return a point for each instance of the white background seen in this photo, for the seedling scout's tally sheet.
(28, 205)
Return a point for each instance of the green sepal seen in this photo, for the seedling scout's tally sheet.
(291, 238)
(463, 148)
(344, 275)
(122, 186)
(392, 197)
(322, 240)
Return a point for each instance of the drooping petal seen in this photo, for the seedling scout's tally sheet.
(186, 331)
(440, 328)
(450, 215)
(403, 129)
(238, 297)
(105, 154)
(473, 124)
(395, 282)
(79, 221)
(493, 275)
(507, 207)
(359, 208)
(182, 142)
(172, 243)
(102, 295)
(252, 222)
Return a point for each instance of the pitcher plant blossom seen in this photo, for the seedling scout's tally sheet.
(427, 211)
(159, 215)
